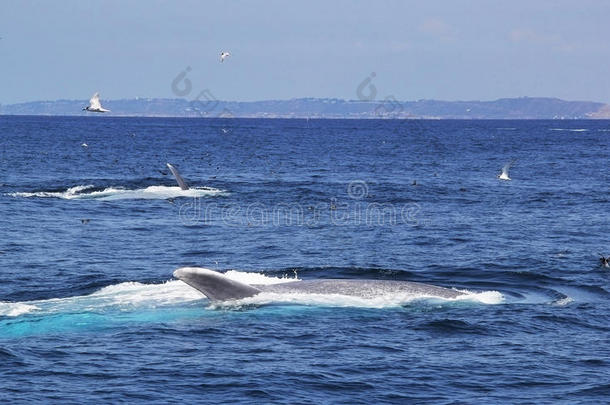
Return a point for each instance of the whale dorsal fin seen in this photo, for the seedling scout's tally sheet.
(179, 178)
(215, 286)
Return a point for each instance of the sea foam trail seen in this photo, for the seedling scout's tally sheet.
(133, 296)
(123, 296)
(111, 193)
(16, 308)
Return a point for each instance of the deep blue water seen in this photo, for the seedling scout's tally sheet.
(89, 310)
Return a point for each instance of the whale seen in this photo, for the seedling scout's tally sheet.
(218, 287)
(179, 178)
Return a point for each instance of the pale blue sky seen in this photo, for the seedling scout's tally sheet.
(450, 50)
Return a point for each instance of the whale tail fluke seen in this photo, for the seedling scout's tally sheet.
(179, 178)
(214, 285)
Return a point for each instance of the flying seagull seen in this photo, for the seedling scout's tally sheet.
(224, 55)
(504, 174)
(94, 104)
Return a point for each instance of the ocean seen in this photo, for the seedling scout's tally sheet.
(93, 224)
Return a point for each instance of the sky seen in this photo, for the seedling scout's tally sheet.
(410, 50)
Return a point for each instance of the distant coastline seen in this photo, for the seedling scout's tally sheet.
(506, 108)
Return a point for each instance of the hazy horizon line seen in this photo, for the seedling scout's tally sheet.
(314, 98)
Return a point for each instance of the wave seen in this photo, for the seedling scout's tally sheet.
(85, 192)
(569, 129)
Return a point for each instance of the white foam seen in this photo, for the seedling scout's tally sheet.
(569, 129)
(484, 297)
(138, 294)
(15, 308)
(123, 296)
(111, 193)
(72, 192)
(563, 302)
(258, 278)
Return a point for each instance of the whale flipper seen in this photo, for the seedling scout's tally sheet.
(179, 178)
(215, 286)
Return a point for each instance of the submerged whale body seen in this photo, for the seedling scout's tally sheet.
(218, 287)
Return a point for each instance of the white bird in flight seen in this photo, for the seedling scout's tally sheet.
(94, 104)
(504, 174)
(224, 55)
